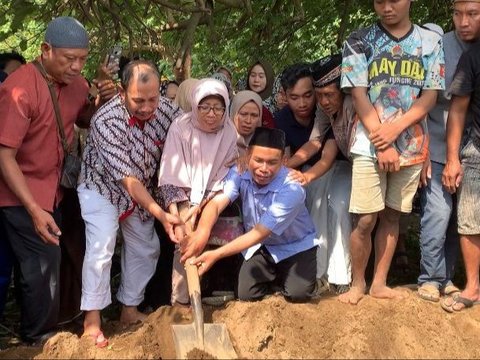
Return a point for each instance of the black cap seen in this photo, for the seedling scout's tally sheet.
(327, 70)
(270, 138)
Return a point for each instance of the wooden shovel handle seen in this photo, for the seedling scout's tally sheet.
(192, 278)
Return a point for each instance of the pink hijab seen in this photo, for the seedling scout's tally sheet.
(195, 159)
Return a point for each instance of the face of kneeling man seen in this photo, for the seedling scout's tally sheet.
(264, 163)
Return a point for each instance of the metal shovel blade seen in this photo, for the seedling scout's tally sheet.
(216, 343)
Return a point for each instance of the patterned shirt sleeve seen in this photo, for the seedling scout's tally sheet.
(169, 194)
(435, 68)
(112, 146)
(354, 63)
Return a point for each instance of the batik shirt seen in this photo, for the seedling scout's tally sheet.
(119, 146)
(394, 71)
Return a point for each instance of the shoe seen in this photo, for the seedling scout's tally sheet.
(99, 339)
(322, 286)
(429, 292)
(467, 303)
(341, 289)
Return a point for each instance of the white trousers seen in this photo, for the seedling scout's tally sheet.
(328, 200)
(139, 256)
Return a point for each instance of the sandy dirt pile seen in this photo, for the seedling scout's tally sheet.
(273, 328)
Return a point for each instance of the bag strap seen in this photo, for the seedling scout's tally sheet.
(58, 116)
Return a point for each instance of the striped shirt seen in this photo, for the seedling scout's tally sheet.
(117, 147)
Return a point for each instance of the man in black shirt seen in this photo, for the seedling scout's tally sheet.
(297, 118)
(462, 173)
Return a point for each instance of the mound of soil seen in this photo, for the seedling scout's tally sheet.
(274, 328)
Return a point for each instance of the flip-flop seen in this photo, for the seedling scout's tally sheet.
(99, 339)
(429, 292)
(467, 303)
(450, 290)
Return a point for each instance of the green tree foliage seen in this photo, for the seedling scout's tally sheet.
(200, 35)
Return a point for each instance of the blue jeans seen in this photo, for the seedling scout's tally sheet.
(439, 242)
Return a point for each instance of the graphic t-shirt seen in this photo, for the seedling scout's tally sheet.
(394, 71)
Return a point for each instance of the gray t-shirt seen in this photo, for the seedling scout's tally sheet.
(437, 118)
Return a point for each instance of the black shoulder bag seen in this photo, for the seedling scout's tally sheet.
(71, 161)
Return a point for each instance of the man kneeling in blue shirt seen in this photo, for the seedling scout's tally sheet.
(279, 246)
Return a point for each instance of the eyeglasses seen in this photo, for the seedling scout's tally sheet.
(205, 109)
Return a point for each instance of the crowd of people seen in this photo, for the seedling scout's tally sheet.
(319, 160)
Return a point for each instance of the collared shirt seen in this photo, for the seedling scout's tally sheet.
(296, 135)
(28, 124)
(117, 147)
(278, 206)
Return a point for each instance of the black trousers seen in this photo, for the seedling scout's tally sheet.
(72, 245)
(39, 266)
(295, 276)
(6, 264)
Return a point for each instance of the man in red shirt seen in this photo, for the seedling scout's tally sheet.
(31, 160)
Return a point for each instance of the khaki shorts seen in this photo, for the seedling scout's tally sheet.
(373, 189)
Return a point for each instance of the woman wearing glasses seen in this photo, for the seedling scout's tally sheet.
(200, 147)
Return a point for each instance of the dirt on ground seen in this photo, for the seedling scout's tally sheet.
(274, 328)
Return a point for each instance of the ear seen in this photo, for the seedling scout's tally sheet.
(45, 48)
(122, 92)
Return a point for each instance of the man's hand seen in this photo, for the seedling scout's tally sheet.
(452, 175)
(388, 159)
(169, 221)
(179, 231)
(297, 176)
(205, 261)
(426, 173)
(106, 89)
(192, 245)
(385, 135)
(105, 72)
(45, 226)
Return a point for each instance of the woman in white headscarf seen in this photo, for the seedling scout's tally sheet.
(200, 147)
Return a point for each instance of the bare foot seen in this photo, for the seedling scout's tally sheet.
(384, 292)
(130, 315)
(352, 296)
(92, 323)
